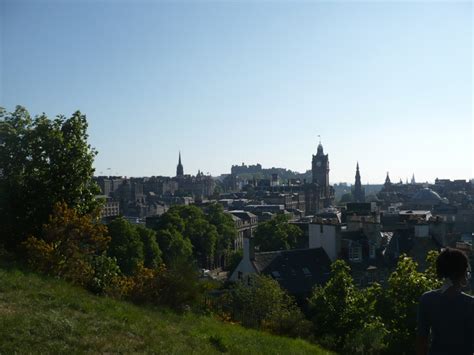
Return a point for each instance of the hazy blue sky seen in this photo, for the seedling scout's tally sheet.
(386, 83)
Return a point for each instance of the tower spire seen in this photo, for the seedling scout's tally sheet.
(179, 168)
(359, 193)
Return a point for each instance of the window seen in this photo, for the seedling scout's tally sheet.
(239, 275)
(321, 229)
(355, 253)
(275, 274)
(306, 272)
(372, 251)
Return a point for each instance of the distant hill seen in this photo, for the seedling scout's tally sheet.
(43, 315)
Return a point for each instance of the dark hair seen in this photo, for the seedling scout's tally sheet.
(452, 264)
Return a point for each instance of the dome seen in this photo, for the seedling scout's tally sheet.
(426, 196)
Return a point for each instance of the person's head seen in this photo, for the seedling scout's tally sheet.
(452, 264)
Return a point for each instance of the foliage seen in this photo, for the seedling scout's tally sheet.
(226, 231)
(203, 237)
(125, 245)
(177, 287)
(175, 247)
(277, 234)
(430, 271)
(69, 241)
(335, 308)
(399, 302)
(151, 249)
(181, 287)
(105, 274)
(185, 231)
(368, 339)
(43, 162)
(264, 304)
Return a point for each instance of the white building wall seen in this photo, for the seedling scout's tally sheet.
(324, 236)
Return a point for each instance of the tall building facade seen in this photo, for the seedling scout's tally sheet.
(319, 194)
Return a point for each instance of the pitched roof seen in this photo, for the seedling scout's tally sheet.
(298, 271)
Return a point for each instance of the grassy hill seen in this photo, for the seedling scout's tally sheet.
(44, 315)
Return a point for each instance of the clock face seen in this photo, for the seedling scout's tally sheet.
(318, 164)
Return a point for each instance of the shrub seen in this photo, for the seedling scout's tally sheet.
(69, 241)
(263, 304)
(105, 274)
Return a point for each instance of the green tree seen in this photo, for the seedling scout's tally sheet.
(126, 245)
(174, 246)
(191, 222)
(203, 237)
(335, 308)
(264, 304)
(277, 234)
(399, 302)
(226, 231)
(42, 162)
(151, 249)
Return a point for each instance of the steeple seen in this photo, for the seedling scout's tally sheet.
(359, 193)
(179, 168)
(387, 180)
(413, 179)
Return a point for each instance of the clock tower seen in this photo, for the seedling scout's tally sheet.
(320, 170)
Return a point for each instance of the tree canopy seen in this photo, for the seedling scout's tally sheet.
(43, 161)
(277, 234)
(125, 245)
(186, 230)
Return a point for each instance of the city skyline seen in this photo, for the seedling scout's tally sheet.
(386, 84)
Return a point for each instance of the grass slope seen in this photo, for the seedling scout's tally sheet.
(43, 315)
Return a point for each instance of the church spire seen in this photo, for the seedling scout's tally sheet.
(179, 168)
(387, 180)
(359, 193)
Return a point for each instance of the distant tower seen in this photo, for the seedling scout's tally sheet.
(359, 192)
(320, 170)
(387, 180)
(179, 168)
(413, 179)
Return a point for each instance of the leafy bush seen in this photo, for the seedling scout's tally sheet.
(263, 304)
(69, 241)
(105, 274)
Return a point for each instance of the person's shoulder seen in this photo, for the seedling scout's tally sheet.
(432, 293)
(467, 297)
(429, 295)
